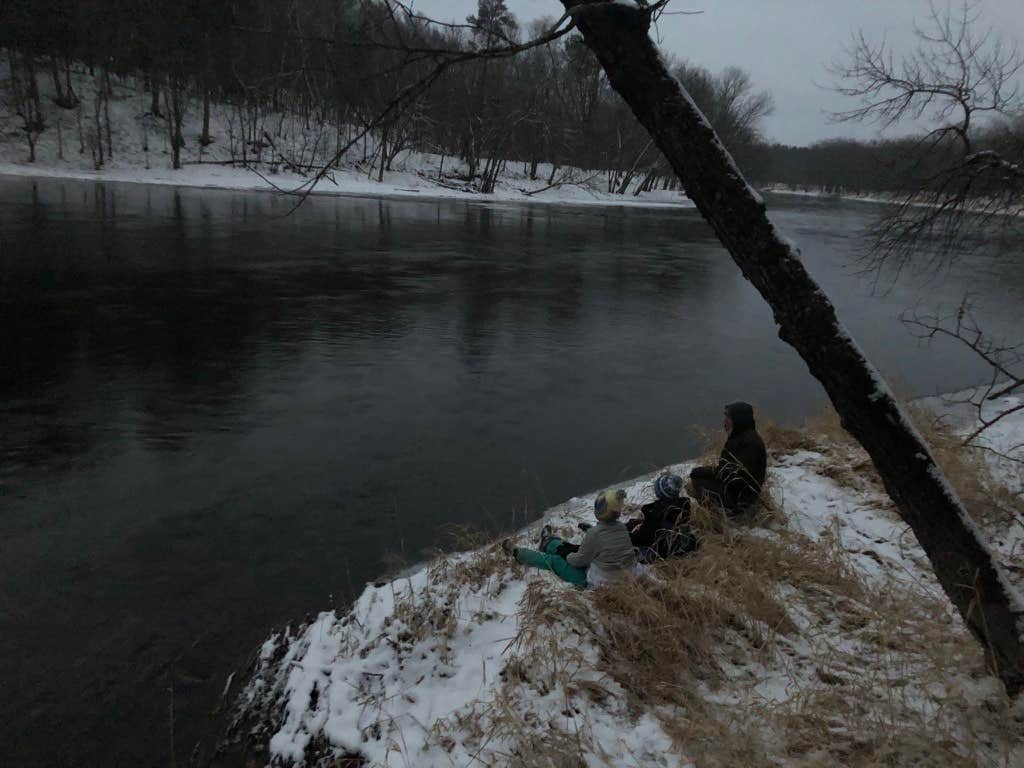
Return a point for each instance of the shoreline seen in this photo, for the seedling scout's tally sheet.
(421, 657)
(830, 196)
(233, 179)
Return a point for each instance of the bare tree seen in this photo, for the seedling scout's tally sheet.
(1004, 359)
(25, 91)
(964, 187)
(959, 190)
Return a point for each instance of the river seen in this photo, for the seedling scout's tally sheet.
(218, 418)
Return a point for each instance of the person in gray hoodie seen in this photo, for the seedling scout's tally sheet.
(605, 554)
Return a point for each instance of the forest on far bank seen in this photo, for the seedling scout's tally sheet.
(340, 67)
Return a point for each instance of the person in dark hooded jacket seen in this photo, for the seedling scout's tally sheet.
(663, 530)
(736, 482)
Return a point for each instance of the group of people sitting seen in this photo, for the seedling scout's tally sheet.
(612, 548)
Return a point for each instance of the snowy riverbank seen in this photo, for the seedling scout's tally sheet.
(782, 189)
(127, 143)
(820, 633)
(352, 182)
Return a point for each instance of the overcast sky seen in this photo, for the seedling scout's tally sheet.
(784, 45)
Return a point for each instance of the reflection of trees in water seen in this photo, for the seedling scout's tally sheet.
(560, 268)
(161, 311)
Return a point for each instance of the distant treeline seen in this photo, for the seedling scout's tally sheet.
(893, 165)
(340, 66)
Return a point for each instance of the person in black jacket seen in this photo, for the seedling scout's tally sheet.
(664, 528)
(736, 482)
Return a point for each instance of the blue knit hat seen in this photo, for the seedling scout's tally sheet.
(668, 487)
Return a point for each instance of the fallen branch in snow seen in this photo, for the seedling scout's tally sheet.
(581, 183)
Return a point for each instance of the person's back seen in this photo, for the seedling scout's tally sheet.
(743, 465)
(663, 530)
(736, 482)
(606, 552)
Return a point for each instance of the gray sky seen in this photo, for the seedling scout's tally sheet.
(783, 44)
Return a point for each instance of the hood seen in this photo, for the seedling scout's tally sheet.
(742, 415)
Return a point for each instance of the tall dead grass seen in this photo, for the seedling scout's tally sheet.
(770, 648)
(991, 503)
(766, 648)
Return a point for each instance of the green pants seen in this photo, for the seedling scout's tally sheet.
(549, 561)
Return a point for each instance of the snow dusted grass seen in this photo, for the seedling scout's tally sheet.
(141, 154)
(814, 635)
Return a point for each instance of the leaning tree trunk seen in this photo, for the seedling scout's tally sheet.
(963, 563)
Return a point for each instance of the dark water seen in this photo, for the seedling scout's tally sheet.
(216, 419)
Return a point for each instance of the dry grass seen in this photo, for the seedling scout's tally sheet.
(991, 503)
(766, 648)
(847, 463)
(867, 673)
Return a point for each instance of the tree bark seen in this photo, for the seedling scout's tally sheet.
(175, 116)
(106, 112)
(72, 96)
(154, 106)
(990, 606)
(33, 90)
(205, 139)
(97, 150)
(58, 88)
(628, 178)
(81, 133)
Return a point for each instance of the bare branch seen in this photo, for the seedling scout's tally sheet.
(1006, 363)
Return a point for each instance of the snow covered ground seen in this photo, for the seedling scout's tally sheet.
(875, 197)
(816, 637)
(141, 154)
(415, 179)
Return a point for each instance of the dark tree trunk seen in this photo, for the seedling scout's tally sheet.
(645, 184)
(631, 173)
(81, 133)
(97, 149)
(962, 561)
(33, 88)
(154, 106)
(106, 113)
(67, 83)
(175, 116)
(60, 99)
(205, 139)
